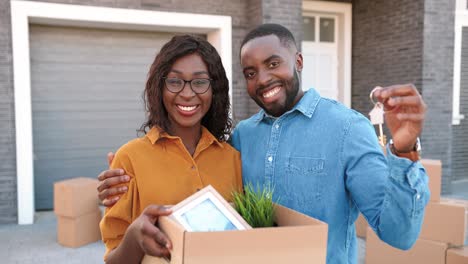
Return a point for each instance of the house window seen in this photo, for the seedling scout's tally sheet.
(308, 27)
(318, 28)
(327, 29)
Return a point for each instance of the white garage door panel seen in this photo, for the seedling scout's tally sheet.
(87, 86)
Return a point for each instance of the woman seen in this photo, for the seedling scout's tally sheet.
(184, 148)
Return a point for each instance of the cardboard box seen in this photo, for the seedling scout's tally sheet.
(361, 226)
(465, 204)
(445, 222)
(79, 231)
(434, 171)
(297, 239)
(75, 197)
(457, 256)
(423, 252)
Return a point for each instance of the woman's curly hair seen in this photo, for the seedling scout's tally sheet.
(217, 119)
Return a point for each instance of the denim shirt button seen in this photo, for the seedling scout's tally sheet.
(418, 196)
(270, 159)
(276, 126)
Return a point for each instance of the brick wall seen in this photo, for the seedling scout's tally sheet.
(387, 47)
(437, 84)
(387, 41)
(8, 207)
(408, 41)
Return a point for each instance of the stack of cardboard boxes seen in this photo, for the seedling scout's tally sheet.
(444, 233)
(77, 209)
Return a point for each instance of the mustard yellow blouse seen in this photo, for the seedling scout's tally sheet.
(163, 172)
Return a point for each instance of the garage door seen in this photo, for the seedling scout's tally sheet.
(87, 86)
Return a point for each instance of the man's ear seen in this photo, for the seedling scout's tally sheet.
(299, 63)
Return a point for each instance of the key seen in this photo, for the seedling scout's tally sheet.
(377, 118)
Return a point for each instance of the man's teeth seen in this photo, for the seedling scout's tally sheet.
(187, 108)
(272, 92)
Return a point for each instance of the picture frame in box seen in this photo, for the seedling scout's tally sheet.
(207, 210)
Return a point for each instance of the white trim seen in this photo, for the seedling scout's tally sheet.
(344, 10)
(217, 28)
(461, 20)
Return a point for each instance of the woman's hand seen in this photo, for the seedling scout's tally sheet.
(151, 240)
(143, 237)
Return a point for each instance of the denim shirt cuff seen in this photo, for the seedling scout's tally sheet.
(402, 169)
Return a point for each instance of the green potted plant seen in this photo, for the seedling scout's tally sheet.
(256, 205)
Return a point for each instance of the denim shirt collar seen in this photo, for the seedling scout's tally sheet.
(306, 106)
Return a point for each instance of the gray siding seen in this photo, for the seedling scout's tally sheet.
(437, 84)
(460, 135)
(235, 9)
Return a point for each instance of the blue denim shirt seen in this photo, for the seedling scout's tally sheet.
(324, 160)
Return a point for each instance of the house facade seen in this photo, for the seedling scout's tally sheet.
(72, 74)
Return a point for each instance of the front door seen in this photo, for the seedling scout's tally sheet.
(320, 52)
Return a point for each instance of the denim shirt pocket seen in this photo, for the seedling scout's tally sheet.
(305, 180)
(306, 165)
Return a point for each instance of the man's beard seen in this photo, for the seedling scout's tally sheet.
(291, 88)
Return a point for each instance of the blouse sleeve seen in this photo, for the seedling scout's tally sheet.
(118, 217)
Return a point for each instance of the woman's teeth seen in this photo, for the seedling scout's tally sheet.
(187, 108)
(271, 92)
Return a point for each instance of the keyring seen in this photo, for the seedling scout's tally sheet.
(371, 95)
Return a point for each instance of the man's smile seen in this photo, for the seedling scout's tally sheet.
(272, 92)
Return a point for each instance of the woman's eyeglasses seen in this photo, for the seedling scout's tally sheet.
(176, 85)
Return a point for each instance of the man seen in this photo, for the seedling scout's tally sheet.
(322, 158)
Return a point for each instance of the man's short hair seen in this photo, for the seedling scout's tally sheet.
(285, 36)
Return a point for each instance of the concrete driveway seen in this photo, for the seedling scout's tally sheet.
(37, 243)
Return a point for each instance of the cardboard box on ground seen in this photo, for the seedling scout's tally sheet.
(465, 204)
(75, 197)
(79, 231)
(76, 206)
(434, 172)
(446, 221)
(457, 255)
(445, 226)
(423, 252)
(297, 239)
(443, 238)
